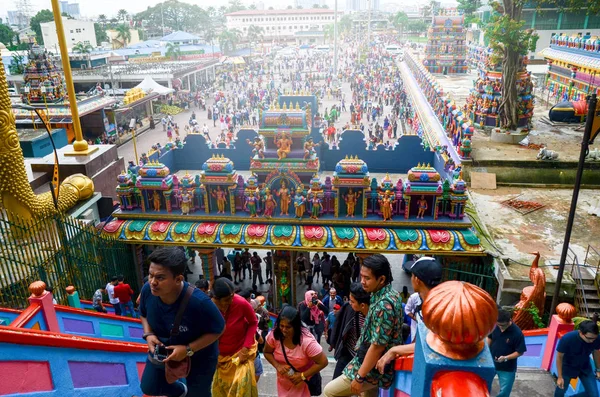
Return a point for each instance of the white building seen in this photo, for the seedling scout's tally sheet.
(304, 26)
(75, 31)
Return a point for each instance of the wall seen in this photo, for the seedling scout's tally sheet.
(406, 154)
(8, 315)
(99, 325)
(86, 33)
(535, 340)
(42, 146)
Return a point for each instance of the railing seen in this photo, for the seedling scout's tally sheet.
(580, 299)
(592, 260)
(60, 251)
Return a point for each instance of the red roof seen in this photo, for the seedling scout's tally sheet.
(293, 11)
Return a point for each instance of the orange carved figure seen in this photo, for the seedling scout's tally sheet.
(535, 294)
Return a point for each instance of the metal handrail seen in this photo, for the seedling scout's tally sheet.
(581, 300)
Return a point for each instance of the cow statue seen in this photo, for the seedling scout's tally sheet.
(547, 154)
(593, 155)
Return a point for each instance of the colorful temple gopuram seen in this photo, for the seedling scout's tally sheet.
(573, 67)
(483, 102)
(446, 49)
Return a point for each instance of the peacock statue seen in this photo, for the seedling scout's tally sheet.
(535, 294)
(16, 195)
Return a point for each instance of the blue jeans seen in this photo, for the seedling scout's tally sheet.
(588, 381)
(127, 307)
(506, 380)
(199, 381)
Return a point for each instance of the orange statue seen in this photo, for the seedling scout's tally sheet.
(535, 293)
(156, 201)
(284, 144)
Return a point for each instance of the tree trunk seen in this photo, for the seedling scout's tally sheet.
(508, 109)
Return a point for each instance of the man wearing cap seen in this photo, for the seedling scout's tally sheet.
(426, 274)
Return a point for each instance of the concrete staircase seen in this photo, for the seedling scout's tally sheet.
(587, 300)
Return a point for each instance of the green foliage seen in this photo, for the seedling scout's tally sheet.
(235, 5)
(255, 33)
(228, 40)
(122, 14)
(17, 64)
(345, 24)
(6, 35)
(82, 48)
(173, 51)
(417, 26)
(506, 33)
(123, 34)
(100, 33)
(102, 19)
(468, 7)
(34, 23)
(177, 16)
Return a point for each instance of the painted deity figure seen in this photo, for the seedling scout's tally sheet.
(386, 203)
(221, 196)
(309, 149)
(351, 199)
(156, 201)
(186, 200)
(422, 207)
(284, 194)
(316, 207)
(259, 147)
(251, 200)
(270, 203)
(284, 143)
(299, 203)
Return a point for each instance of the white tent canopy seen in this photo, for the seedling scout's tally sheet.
(149, 85)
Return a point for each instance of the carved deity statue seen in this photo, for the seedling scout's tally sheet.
(351, 199)
(156, 201)
(422, 207)
(299, 203)
(284, 143)
(309, 149)
(316, 207)
(386, 203)
(250, 204)
(270, 203)
(221, 196)
(186, 200)
(284, 194)
(259, 147)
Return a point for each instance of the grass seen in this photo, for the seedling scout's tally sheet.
(415, 39)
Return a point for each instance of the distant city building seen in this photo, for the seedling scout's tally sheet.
(308, 3)
(17, 18)
(70, 8)
(75, 31)
(362, 5)
(304, 26)
(260, 5)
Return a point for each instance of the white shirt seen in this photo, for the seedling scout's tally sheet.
(413, 302)
(110, 290)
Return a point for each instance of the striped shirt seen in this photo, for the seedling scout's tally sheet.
(354, 334)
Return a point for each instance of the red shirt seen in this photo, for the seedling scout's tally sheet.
(123, 292)
(240, 326)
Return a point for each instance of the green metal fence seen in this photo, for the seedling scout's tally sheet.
(60, 251)
(478, 271)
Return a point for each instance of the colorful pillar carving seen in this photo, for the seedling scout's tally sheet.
(560, 323)
(73, 297)
(450, 345)
(43, 298)
(207, 257)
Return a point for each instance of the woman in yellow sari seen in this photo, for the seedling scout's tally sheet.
(235, 374)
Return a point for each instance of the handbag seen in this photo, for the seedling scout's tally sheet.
(175, 370)
(315, 382)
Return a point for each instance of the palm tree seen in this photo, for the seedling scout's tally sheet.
(102, 19)
(209, 37)
(228, 40)
(82, 48)
(252, 6)
(400, 21)
(173, 51)
(254, 33)
(123, 34)
(328, 32)
(122, 14)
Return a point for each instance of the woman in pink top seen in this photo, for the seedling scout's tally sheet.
(302, 350)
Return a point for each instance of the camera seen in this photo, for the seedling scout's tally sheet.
(160, 353)
(314, 300)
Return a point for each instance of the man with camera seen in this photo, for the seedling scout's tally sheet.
(181, 326)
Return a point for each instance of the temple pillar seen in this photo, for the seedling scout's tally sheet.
(207, 258)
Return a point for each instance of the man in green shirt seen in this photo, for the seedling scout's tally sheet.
(382, 331)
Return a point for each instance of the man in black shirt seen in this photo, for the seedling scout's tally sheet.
(506, 343)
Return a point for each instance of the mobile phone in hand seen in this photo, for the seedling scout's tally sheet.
(160, 353)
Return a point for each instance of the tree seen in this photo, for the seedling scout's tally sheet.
(252, 7)
(417, 26)
(102, 19)
(254, 34)
(328, 32)
(400, 21)
(235, 5)
(82, 48)
(289, 7)
(123, 34)
(228, 40)
(345, 24)
(122, 15)
(176, 15)
(100, 33)
(210, 35)
(468, 8)
(34, 23)
(316, 6)
(173, 51)
(6, 35)
(325, 6)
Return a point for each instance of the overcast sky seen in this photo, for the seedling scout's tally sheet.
(92, 8)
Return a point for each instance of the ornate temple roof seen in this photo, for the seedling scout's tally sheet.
(297, 237)
(423, 173)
